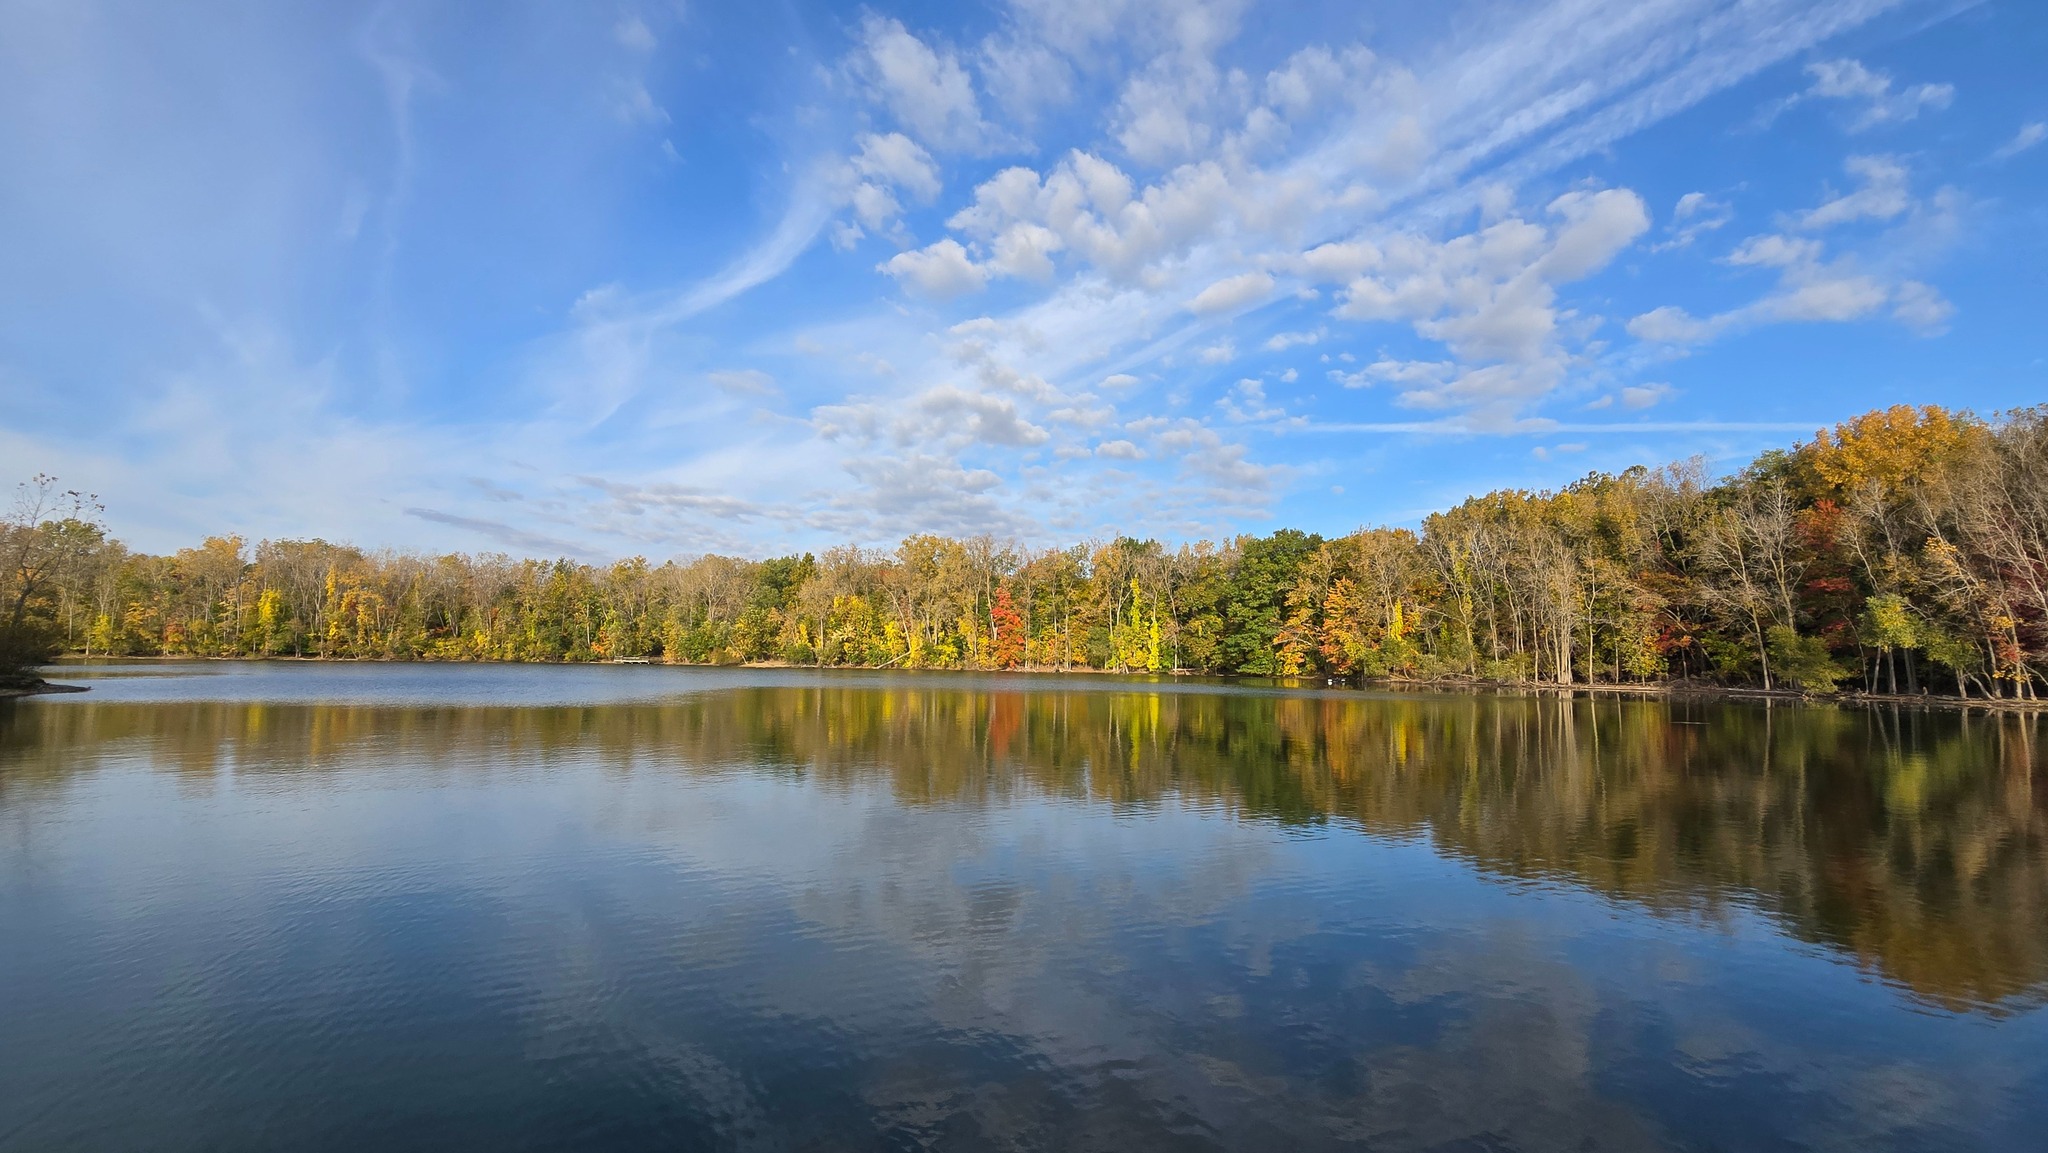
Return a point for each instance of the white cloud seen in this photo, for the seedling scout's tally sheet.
(1024, 76)
(1695, 215)
(1084, 415)
(1332, 121)
(874, 206)
(1599, 225)
(988, 419)
(633, 33)
(1816, 292)
(941, 271)
(926, 90)
(1095, 211)
(633, 104)
(1199, 173)
(1316, 77)
(1232, 293)
(1921, 308)
(1282, 341)
(1810, 288)
(1775, 251)
(1222, 352)
(1830, 295)
(945, 418)
(1203, 453)
(1490, 296)
(2029, 136)
(1246, 401)
(748, 381)
(1670, 324)
(1871, 92)
(1025, 251)
(1160, 118)
(1336, 262)
(932, 493)
(882, 164)
(1641, 396)
(897, 159)
(1413, 373)
(1883, 195)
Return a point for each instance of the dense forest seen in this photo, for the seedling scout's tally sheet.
(1905, 550)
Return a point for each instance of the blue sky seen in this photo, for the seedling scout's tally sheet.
(668, 278)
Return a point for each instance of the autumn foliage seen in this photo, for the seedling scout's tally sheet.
(1903, 550)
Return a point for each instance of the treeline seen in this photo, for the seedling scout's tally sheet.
(1905, 550)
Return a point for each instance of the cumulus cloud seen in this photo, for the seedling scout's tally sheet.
(1162, 117)
(882, 165)
(1025, 251)
(942, 418)
(874, 206)
(1203, 453)
(925, 89)
(894, 158)
(1316, 77)
(1232, 293)
(1246, 401)
(1413, 373)
(1670, 324)
(1024, 76)
(1338, 262)
(1282, 341)
(1490, 296)
(919, 492)
(941, 271)
(988, 419)
(1090, 207)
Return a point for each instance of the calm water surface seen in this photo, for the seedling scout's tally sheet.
(254, 907)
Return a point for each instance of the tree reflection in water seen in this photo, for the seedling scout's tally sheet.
(1914, 842)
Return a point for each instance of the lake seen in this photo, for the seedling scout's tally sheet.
(389, 907)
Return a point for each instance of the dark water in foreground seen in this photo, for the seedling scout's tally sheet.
(382, 908)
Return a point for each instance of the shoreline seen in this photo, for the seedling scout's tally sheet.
(38, 688)
(1666, 690)
(1694, 691)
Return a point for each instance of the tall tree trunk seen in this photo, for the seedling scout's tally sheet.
(1763, 654)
